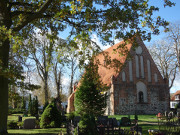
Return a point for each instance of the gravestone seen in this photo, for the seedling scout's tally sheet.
(102, 120)
(19, 118)
(125, 121)
(115, 122)
(178, 110)
(29, 123)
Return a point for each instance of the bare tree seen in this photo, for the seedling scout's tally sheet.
(58, 64)
(73, 67)
(57, 71)
(174, 37)
(165, 59)
(40, 93)
(41, 49)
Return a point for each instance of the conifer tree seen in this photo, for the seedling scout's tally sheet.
(23, 106)
(30, 105)
(89, 98)
(35, 106)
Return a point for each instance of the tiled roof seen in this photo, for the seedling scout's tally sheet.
(119, 55)
(176, 93)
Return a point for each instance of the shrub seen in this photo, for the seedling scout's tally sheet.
(45, 105)
(15, 111)
(87, 125)
(12, 125)
(71, 116)
(20, 124)
(51, 117)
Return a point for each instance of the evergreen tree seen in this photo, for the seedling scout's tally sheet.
(45, 105)
(88, 98)
(35, 106)
(51, 117)
(21, 18)
(23, 105)
(30, 105)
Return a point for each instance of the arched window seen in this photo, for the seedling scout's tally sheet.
(141, 92)
(141, 97)
(149, 70)
(123, 76)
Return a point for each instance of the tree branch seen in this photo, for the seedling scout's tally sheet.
(30, 18)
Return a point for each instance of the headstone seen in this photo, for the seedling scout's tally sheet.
(178, 114)
(110, 122)
(37, 117)
(125, 121)
(115, 122)
(178, 110)
(102, 120)
(19, 118)
(29, 123)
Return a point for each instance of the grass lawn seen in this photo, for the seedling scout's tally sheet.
(14, 117)
(145, 121)
(49, 131)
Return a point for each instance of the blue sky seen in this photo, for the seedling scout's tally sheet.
(171, 14)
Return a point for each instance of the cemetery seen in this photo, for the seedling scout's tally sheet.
(89, 67)
(117, 125)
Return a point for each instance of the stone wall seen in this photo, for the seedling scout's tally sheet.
(125, 100)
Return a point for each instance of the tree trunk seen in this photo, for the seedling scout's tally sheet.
(58, 89)
(4, 55)
(46, 88)
(72, 79)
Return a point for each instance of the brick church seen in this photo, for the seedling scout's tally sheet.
(136, 84)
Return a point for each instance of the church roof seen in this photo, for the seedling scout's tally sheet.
(117, 55)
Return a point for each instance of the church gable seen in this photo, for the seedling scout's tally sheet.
(135, 82)
(138, 86)
(140, 66)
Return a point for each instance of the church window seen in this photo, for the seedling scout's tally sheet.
(141, 97)
(141, 92)
(139, 50)
(142, 66)
(149, 70)
(137, 66)
(130, 71)
(123, 76)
